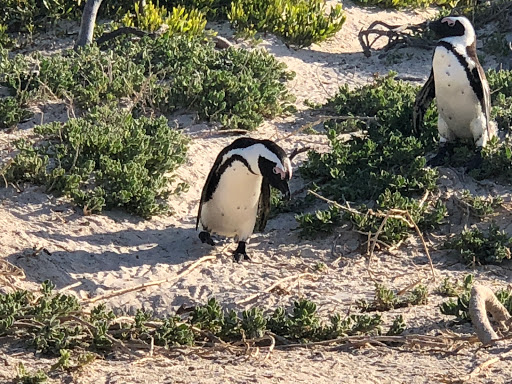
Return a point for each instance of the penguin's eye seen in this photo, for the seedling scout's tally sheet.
(275, 171)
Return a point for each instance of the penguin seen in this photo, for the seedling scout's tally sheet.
(458, 82)
(237, 189)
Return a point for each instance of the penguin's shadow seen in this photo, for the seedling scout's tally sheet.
(128, 252)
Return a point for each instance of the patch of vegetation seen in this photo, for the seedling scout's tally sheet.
(21, 16)
(11, 112)
(56, 325)
(398, 327)
(319, 224)
(454, 288)
(235, 87)
(476, 247)
(299, 23)
(400, 4)
(460, 306)
(386, 299)
(107, 159)
(24, 377)
(213, 9)
(5, 40)
(480, 206)
(179, 20)
(381, 169)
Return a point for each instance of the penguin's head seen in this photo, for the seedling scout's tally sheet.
(263, 158)
(454, 29)
(275, 166)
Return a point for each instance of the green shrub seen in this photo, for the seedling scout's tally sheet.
(213, 9)
(235, 87)
(416, 3)
(11, 112)
(179, 20)
(476, 247)
(174, 332)
(107, 159)
(460, 307)
(386, 299)
(57, 322)
(298, 22)
(480, 206)
(381, 169)
(21, 16)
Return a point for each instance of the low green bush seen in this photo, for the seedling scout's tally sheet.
(235, 87)
(381, 169)
(459, 307)
(179, 20)
(55, 324)
(479, 206)
(416, 3)
(105, 160)
(213, 9)
(11, 112)
(476, 247)
(298, 22)
(386, 299)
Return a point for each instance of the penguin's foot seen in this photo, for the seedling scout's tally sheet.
(475, 161)
(240, 253)
(438, 159)
(206, 238)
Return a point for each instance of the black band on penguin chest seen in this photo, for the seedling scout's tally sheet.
(212, 186)
(472, 75)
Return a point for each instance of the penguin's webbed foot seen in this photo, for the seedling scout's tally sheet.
(240, 253)
(438, 159)
(206, 238)
(475, 161)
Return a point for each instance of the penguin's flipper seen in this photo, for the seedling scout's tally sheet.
(263, 207)
(209, 186)
(481, 88)
(422, 102)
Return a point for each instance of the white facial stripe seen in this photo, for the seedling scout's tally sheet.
(449, 20)
(469, 33)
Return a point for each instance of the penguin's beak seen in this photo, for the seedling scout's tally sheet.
(285, 190)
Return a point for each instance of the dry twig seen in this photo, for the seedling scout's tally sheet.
(397, 35)
(273, 286)
(398, 214)
(120, 292)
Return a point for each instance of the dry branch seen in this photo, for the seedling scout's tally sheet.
(483, 300)
(398, 214)
(298, 151)
(395, 34)
(273, 286)
(120, 292)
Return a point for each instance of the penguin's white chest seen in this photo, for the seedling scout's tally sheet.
(457, 103)
(233, 207)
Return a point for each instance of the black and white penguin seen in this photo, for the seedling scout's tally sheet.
(238, 188)
(457, 81)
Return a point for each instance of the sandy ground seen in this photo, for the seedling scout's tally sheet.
(50, 239)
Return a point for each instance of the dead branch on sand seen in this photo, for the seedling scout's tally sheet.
(120, 292)
(273, 286)
(398, 214)
(398, 36)
(483, 300)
